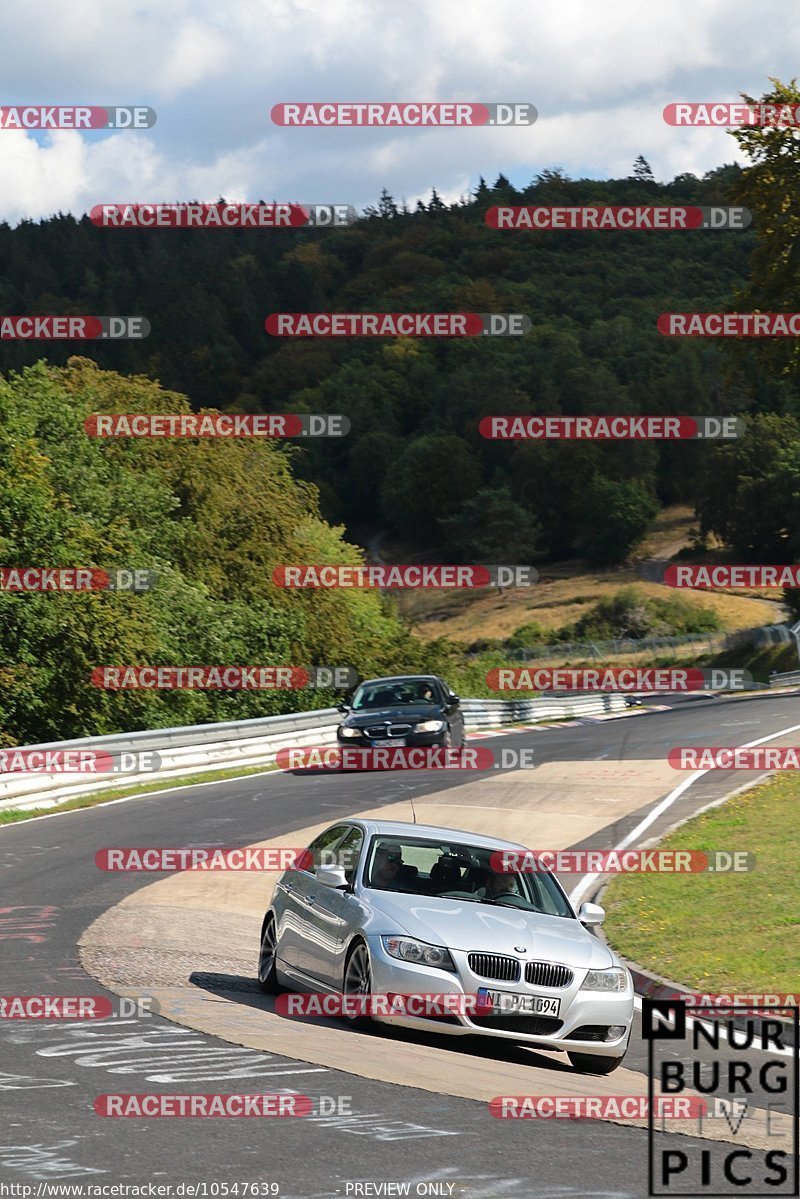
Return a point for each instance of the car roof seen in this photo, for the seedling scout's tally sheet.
(403, 678)
(404, 828)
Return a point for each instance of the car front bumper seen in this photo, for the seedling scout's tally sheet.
(579, 1009)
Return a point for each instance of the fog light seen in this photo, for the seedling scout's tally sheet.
(615, 1032)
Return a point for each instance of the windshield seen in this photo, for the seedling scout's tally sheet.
(392, 695)
(418, 866)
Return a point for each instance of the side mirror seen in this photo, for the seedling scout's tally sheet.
(591, 914)
(342, 707)
(331, 876)
(452, 699)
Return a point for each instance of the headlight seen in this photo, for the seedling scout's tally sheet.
(429, 726)
(615, 979)
(418, 951)
(346, 732)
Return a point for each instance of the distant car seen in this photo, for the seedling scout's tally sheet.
(402, 710)
(390, 908)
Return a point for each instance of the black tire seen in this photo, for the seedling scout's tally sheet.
(589, 1063)
(267, 973)
(358, 981)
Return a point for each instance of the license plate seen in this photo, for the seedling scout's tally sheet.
(511, 1003)
(393, 741)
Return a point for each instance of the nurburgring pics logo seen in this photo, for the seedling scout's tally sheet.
(397, 324)
(616, 678)
(732, 576)
(391, 113)
(73, 328)
(78, 761)
(222, 216)
(217, 424)
(735, 757)
(75, 578)
(389, 578)
(76, 117)
(729, 324)
(725, 114)
(617, 217)
(622, 861)
(223, 678)
(519, 427)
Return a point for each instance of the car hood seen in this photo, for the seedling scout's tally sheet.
(402, 714)
(483, 928)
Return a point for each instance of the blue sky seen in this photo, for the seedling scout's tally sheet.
(599, 75)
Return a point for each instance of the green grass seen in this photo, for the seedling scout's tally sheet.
(15, 815)
(719, 933)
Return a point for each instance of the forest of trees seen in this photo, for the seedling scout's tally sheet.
(414, 466)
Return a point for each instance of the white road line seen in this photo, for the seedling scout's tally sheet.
(589, 881)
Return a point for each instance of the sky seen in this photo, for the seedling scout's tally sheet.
(598, 74)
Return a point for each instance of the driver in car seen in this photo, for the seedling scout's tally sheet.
(386, 867)
(499, 884)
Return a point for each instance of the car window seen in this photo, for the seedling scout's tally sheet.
(319, 850)
(390, 695)
(348, 853)
(424, 866)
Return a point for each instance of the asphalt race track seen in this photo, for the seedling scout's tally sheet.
(51, 1071)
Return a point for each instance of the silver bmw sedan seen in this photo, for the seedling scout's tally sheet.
(390, 909)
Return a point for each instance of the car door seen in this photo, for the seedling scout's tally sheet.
(295, 887)
(330, 914)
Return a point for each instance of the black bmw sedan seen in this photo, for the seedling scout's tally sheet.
(402, 710)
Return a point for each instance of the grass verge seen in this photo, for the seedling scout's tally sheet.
(15, 815)
(719, 933)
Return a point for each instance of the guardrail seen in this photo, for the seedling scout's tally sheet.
(770, 634)
(789, 678)
(194, 749)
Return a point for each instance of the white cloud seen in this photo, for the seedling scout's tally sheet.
(598, 74)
